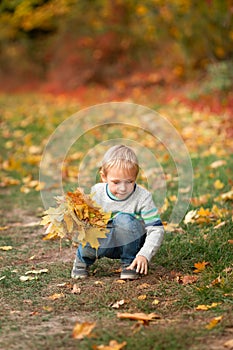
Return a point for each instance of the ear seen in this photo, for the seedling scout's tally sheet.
(103, 176)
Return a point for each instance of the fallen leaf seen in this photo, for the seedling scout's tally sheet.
(143, 285)
(220, 225)
(6, 247)
(217, 280)
(2, 278)
(229, 344)
(3, 228)
(188, 279)
(47, 308)
(218, 185)
(155, 302)
(99, 283)
(120, 281)
(218, 163)
(27, 278)
(207, 307)
(227, 269)
(139, 316)
(76, 289)
(230, 241)
(142, 297)
(56, 296)
(82, 330)
(227, 196)
(200, 266)
(113, 345)
(213, 323)
(119, 303)
(189, 217)
(36, 272)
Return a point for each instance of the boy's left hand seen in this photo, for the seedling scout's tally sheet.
(140, 264)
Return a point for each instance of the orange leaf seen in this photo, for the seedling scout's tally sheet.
(82, 330)
(217, 280)
(204, 212)
(142, 297)
(213, 323)
(200, 266)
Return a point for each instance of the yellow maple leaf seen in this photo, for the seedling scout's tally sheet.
(77, 217)
(92, 234)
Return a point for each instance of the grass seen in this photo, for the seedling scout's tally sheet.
(31, 319)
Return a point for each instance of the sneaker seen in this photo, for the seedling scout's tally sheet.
(79, 269)
(129, 274)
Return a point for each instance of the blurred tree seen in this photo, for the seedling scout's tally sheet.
(83, 41)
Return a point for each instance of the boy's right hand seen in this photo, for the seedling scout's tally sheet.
(140, 263)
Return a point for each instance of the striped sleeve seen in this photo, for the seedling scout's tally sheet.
(151, 217)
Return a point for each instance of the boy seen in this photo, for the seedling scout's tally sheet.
(136, 231)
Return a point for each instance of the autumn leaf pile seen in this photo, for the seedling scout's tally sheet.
(76, 217)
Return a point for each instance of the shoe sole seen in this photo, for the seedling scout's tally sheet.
(129, 277)
(79, 277)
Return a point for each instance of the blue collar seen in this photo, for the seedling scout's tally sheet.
(109, 193)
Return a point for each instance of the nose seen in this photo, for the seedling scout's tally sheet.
(122, 186)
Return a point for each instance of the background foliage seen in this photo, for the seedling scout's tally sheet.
(72, 42)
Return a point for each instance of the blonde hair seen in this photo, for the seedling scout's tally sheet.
(120, 156)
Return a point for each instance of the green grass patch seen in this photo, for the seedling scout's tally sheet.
(34, 318)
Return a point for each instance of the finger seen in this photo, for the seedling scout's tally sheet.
(142, 269)
(131, 266)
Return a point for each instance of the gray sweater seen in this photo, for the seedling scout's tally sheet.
(140, 204)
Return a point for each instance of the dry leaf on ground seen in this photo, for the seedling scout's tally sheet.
(188, 279)
(76, 289)
(207, 307)
(36, 272)
(82, 330)
(213, 323)
(56, 296)
(27, 278)
(113, 345)
(229, 344)
(138, 316)
(6, 247)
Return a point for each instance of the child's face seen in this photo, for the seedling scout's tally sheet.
(120, 182)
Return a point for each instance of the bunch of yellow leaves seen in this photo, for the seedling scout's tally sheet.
(76, 215)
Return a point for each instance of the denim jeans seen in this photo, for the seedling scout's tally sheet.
(126, 237)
